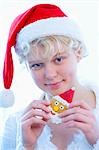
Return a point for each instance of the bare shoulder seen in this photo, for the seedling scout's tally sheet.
(86, 94)
(89, 96)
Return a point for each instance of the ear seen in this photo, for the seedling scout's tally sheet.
(78, 54)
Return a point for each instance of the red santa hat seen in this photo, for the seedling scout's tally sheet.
(38, 21)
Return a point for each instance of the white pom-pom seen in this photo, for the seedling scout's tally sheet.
(6, 98)
(56, 119)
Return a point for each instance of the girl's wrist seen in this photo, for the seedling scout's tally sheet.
(28, 147)
(96, 146)
(23, 147)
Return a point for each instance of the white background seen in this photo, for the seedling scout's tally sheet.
(85, 12)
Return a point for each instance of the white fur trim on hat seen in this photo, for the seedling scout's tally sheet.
(49, 26)
(61, 100)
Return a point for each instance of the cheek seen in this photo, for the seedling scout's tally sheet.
(69, 70)
(37, 77)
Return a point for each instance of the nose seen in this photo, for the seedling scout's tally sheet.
(50, 72)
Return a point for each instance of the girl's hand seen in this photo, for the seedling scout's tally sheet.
(80, 116)
(33, 120)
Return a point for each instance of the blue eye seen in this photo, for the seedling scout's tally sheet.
(36, 66)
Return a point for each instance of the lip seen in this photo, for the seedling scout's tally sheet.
(54, 85)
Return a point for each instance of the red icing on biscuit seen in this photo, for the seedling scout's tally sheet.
(68, 95)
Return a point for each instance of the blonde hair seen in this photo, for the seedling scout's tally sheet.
(50, 45)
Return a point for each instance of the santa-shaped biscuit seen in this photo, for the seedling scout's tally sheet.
(61, 103)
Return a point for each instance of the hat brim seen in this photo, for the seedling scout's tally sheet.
(49, 26)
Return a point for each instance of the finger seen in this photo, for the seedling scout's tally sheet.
(34, 113)
(37, 104)
(79, 118)
(79, 110)
(80, 104)
(80, 125)
(86, 128)
(32, 122)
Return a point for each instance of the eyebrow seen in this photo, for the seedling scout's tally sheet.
(39, 61)
(34, 61)
(60, 53)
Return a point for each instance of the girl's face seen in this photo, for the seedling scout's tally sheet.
(57, 74)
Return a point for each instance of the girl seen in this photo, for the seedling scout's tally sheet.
(51, 45)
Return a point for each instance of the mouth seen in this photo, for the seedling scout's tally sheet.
(54, 85)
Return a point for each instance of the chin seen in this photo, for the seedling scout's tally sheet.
(57, 92)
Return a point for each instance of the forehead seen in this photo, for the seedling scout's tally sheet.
(46, 52)
(41, 54)
(40, 58)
